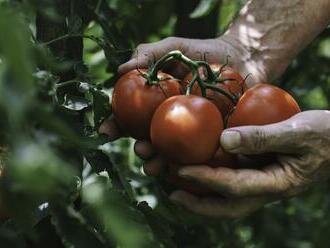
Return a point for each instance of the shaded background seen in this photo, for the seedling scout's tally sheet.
(64, 186)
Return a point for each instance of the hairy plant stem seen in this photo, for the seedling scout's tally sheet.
(212, 77)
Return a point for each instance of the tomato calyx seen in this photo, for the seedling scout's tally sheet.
(210, 81)
(153, 81)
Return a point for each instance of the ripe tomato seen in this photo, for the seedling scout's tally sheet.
(223, 159)
(236, 87)
(186, 129)
(134, 102)
(263, 104)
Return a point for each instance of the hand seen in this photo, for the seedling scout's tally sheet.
(143, 149)
(302, 144)
(215, 50)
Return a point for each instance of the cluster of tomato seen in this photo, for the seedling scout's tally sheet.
(184, 119)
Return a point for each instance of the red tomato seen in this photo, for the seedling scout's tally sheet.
(223, 159)
(263, 104)
(236, 87)
(134, 102)
(186, 129)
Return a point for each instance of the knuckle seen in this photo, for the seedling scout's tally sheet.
(233, 190)
(259, 139)
(142, 45)
(140, 49)
(171, 39)
(293, 181)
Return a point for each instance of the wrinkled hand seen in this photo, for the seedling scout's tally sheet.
(215, 50)
(302, 144)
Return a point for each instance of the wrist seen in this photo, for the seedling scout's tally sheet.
(245, 58)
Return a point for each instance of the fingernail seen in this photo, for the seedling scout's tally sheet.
(187, 172)
(176, 197)
(183, 173)
(230, 140)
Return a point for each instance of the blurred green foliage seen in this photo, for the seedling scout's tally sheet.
(65, 186)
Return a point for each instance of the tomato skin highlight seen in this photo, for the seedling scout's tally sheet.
(186, 129)
(263, 104)
(236, 87)
(134, 102)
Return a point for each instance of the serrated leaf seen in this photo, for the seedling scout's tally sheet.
(74, 229)
(163, 231)
(204, 8)
(120, 218)
(101, 107)
(98, 160)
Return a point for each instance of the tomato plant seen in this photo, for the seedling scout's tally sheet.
(186, 129)
(234, 85)
(135, 100)
(263, 104)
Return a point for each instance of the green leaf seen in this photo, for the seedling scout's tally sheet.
(162, 230)
(101, 107)
(204, 8)
(98, 160)
(75, 103)
(74, 229)
(119, 217)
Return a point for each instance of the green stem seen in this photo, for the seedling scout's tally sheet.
(193, 65)
(222, 91)
(174, 55)
(66, 83)
(90, 37)
(191, 84)
(210, 74)
(202, 85)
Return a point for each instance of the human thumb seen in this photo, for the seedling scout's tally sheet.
(277, 137)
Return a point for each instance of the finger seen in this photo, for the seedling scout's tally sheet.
(241, 182)
(144, 149)
(134, 63)
(148, 53)
(111, 129)
(154, 167)
(280, 137)
(219, 207)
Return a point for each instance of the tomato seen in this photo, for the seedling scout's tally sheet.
(186, 129)
(223, 159)
(134, 102)
(263, 104)
(236, 87)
